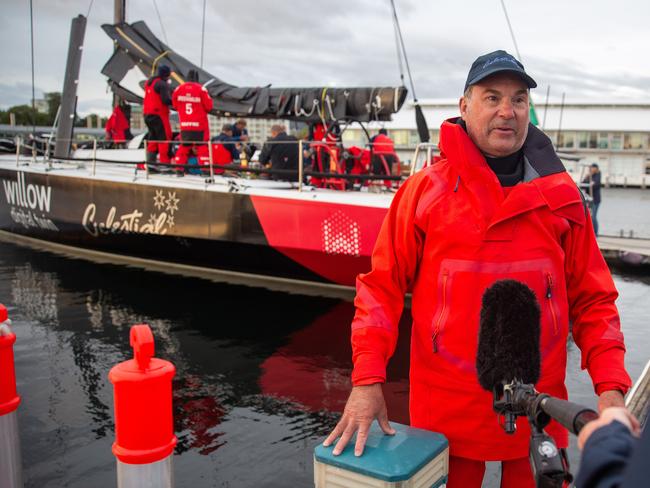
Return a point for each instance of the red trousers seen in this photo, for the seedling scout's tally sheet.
(468, 473)
(187, 148)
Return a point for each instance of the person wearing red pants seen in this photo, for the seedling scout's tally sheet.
(498, 205)
(192, 102)
(155, 108)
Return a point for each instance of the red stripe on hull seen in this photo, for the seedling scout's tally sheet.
(334, 241)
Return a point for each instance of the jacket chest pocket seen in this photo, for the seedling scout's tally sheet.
(460, 287)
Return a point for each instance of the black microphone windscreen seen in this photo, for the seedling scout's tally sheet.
(508, 341)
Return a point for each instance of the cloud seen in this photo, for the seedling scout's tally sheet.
(298, 43)
(17, 94)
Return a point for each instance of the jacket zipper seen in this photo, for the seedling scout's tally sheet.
(436, 331)
(549, 297)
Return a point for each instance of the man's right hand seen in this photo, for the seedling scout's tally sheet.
(365, 404)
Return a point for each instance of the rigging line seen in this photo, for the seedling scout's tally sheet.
(31, 31)
(90, 8)
(406, 59)
(203, 32)
(399, 52)
(162, 27)
(512, 33)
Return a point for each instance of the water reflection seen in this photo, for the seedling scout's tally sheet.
(35, 293)
(75, 322)
(313, 368)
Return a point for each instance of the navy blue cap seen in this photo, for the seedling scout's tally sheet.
(497, 62)
(164, 71)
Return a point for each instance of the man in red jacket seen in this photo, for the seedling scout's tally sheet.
(499, 204)
(192, 102)
(155, 108)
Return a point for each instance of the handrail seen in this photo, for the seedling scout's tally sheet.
(18, 141)
(414, 164)
(335, 171)
(300, 165)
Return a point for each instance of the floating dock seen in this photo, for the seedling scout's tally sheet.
(630, 250)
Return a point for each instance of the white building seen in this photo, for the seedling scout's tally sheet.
(614, 134)
(258, 129)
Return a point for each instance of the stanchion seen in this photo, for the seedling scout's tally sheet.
(144, 430)
(10, 464)
(300, 164)
(210, 152)
(18, 141)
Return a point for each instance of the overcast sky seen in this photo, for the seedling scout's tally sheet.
(593, 49)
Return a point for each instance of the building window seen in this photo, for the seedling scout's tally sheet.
(616, 141)
(566, 140)
(435, 136)
(583, 139)
(635, 140)
(603, 140)
(400, 137)
(414, 138)
(593, 140)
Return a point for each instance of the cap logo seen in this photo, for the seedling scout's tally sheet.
(505, 59)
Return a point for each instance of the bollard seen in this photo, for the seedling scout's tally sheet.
(10, 463)
(412, 458)
(144, 428)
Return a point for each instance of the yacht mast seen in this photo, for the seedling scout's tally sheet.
(119, 16)
(64, 132)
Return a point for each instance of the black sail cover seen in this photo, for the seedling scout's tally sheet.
(137, 46)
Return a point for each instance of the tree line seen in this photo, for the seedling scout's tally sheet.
(26, 115)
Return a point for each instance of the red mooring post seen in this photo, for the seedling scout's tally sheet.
(11, 475)
(144, 425)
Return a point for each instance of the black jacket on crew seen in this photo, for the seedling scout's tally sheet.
(282, 152)
(591, 185)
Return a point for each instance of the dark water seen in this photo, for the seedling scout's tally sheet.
(260, 377)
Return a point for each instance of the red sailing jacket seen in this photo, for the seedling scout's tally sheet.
(450, 233)
(116, 126)
(382, 144)
(153, 104)
(192, 102)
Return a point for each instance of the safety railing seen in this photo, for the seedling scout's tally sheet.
(331, 168)
(429, 147)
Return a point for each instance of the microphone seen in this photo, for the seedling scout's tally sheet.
(508, 339)
(508, 360)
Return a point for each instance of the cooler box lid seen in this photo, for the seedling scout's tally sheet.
(385, 457)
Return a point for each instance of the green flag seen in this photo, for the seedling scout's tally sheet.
(533, 115)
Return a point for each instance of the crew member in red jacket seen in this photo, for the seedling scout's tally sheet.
(499, 204)
(157, 100)
(192, 102)
(118, 128)
(383, 153)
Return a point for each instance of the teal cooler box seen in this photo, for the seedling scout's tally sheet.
(412, 458)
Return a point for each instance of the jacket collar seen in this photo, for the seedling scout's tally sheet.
(539, 154)
(546, 182)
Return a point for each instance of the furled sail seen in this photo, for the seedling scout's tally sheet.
(137, 46)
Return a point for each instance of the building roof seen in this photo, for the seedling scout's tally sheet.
(587, 115)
